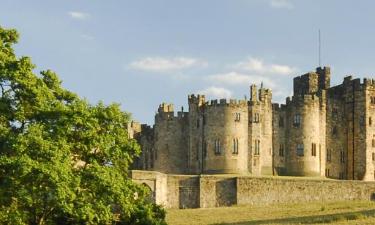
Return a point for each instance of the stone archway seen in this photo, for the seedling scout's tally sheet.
(151, 195)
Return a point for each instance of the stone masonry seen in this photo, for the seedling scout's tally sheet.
(320, 131)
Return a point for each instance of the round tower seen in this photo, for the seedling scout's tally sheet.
(304, 147)
(225, 137)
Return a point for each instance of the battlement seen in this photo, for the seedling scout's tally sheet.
(225, 102)
(356, 84)
(262, 94)
(312, 82)
(369, 82)
(303, 99)
(147, 130)
(277, 106)
(196, 99)
(166, 108)
(166, 112)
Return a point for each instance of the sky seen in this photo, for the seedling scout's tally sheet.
(142, 53)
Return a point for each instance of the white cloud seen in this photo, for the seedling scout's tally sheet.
(79, 15)
(216, 92)
(235, 78)
(160, 64)
(281, 4)
(258, 66)
(87, 37)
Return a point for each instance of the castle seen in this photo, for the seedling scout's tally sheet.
(320, 131)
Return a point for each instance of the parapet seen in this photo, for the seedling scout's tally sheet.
(277, 106)
(225, 102)
(368, 82)
(312, 82)
(164, 107)
(198, 100)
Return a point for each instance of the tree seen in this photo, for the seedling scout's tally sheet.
(63, 160)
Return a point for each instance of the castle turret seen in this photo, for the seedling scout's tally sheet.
(195, 131)
(225, 133)
(324, 77)
(260, 132)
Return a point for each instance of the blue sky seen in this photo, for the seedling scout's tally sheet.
(141, 53)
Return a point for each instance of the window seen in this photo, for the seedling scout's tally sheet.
(235, 146)
(370, 121)
(281, 150)
(297, 120)
(328, 155)
(217, 147)
(281, 121)
(256, 118)
(327, 172)
(342, 156)
(238, 117)
(300, 150)
(372, 99)
(373, 156)
(373, 142)
(313, 149)
(257, 147)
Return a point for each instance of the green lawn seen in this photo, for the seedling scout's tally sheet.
(349, 212)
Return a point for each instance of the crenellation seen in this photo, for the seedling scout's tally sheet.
(319, 131)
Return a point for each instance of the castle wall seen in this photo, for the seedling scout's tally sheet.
(302, 134)
(333, 136)
(144, 134)
(337, 135)
(259, 191)
(195, 134)
(279, 139)
(205, 191)
(355, 103)
(183, 191)
(170, 141)
(369, 86)
(217, 191)
(260, 132)
(226, 123)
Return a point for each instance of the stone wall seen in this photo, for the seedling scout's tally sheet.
(226, 123)
(335, 131)
(205, 191)
(255, 191)
(170, 141)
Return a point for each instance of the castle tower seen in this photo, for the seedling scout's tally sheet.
(225, 137)
(260, 132)
(306, 125)
(170, 141)
(195, 133)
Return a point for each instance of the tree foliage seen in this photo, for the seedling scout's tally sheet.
(63, 160)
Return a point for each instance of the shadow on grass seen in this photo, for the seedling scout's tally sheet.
(328, 218)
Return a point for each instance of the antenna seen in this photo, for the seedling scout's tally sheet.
(320, 45)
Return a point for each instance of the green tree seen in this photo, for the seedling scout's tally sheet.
(63, 160)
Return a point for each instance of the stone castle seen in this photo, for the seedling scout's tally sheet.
(320, 131)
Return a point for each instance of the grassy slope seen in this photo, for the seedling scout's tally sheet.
(349, 212)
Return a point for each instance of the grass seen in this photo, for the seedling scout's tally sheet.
(348, 212)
